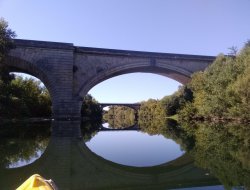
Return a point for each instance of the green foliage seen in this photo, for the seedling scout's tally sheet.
(6, 43)
(224, 151)
(188, 112)
(222, 90)
(91, 109)
(6, 39)
(151, 109)
(24, 98)
(177, 101)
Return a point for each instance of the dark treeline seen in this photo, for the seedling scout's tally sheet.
(24, 97)
(91, 110)
(13, 146)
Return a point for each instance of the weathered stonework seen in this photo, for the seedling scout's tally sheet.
(69, 72)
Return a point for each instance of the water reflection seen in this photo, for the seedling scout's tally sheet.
(222, 149)
(218, 150)
(134, 148)
(22, 143)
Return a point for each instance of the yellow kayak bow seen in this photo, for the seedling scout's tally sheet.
(37, 182)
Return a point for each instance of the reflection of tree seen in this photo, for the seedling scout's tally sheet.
(168, 128)
(89, 129)
(22, 142)
(225, 151)
(120, 117)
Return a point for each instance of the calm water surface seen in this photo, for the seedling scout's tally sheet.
(134, 148)
(171, 156)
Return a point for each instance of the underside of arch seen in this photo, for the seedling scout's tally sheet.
(19, 65)
(177, 74)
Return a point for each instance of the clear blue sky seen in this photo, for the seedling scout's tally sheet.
(205, 27)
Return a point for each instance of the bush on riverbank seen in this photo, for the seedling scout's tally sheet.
(222, 91)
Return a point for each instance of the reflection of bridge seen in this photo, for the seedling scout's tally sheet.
(73, 166)
(135, 106)
(130, 128)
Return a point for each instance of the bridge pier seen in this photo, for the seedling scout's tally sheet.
(66, 129)
(67, 110)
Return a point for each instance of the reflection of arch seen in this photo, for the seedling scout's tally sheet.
(178, 74)
(129, 128)
(72, 166)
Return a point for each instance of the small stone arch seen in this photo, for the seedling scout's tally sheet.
(19, 65)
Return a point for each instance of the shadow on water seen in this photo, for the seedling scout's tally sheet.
(71, 164)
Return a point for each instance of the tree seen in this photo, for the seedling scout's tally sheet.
(6, 39)
(91, 108)
(177, 101)
(6, 43)
(222, 90)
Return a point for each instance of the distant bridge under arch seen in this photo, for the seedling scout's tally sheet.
(69, 71)
(135, 106)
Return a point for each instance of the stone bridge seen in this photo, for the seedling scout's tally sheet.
(69, 72)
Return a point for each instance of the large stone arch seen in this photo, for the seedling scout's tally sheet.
(175, 73)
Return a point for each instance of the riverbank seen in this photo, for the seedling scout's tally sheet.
(24, 120)
(212, 119)
(218, 119)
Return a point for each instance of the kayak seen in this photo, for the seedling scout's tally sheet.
(37, 182)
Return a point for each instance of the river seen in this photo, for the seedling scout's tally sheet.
(161, 155)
